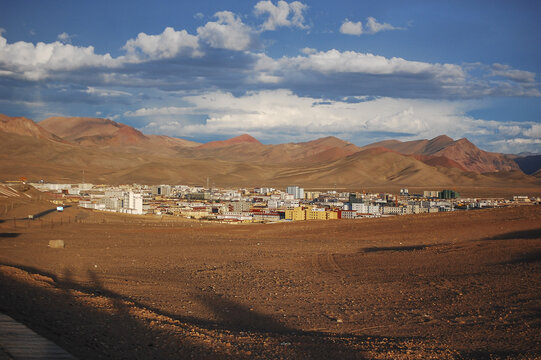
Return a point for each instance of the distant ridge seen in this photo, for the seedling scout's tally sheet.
(241, 139)
(529, 164)
(105, 132)
(461, 154)
(111, 152)
(25, 127)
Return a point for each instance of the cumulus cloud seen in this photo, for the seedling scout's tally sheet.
(516, 75)
(105, 92)
(278, 116)
(517, 145)
(352, 61)
(35, 62)
(276, 113)
(329, 69)
(371, 27)
(168, 44)
(282, 14)
(65, 38)
(229, 32)
(511, 130)
(351, 28)
(534, 131)
(374, 27)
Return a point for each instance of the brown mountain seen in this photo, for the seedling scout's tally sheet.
(241, 139)
(25, 127)
(320, 150)
(529, 164)
(36, 155)
(460, 152)
(105, 132)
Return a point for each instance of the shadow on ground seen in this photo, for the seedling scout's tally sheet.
(9, 235)
(395, 248)
(524, 234)
(93, 322)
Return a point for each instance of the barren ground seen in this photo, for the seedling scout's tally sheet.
(445, 286)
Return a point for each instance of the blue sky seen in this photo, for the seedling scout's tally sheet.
(282, 71)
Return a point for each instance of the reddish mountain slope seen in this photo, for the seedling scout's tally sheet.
(25, 127)
(241, 139)
(167, 141)
(28, 151)
(474, 159)
(105, 132)
(93, 131)
(460, 152)
(442, 161)
(247, 149)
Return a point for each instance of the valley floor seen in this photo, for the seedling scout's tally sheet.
(435, 286)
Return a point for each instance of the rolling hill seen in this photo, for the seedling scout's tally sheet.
(107, 133)
(110, 152)
(462, 153)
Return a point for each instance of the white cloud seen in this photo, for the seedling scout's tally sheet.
(65, 38)
(168, 44)
(371, 27)
(282, 14)
(105, 92)
(229, 32)
(374, 27)
(36, 62)
(273, 113)
(308, 51)
(511, 130)
(534, 131)
(162, 111)
(517, 145)
(334, 61)
(198, 15)
(351, 28)
(516, 75)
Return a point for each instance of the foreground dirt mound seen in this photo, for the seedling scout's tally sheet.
(439, 286)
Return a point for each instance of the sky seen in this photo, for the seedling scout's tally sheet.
(281, 71)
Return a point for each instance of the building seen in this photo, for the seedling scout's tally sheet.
(331, 215)
(315, 214)
(431, 194)
(449, 194)
(132, 203)
(363, 208)
(297, 192)
(295, 214)
(311, 195)
(347, 214)
(162, 190)
(240, 206)
(266, 217)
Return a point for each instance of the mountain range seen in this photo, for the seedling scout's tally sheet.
(60, 149)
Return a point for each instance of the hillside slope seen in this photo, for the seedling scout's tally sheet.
(462, 152)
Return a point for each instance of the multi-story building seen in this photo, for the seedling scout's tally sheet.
(296, 191)
(296, 213)
(132, 203)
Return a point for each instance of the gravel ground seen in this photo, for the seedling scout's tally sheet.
(437, 286)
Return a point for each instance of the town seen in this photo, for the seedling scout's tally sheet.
(261, 204)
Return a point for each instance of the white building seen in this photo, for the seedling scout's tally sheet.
(296, 191)
(132, 203)
(363, 208)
